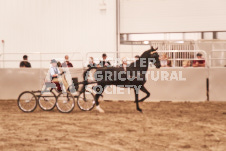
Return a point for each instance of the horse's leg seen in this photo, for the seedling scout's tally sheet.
(97, 98)
(145, 91)
(136, 91)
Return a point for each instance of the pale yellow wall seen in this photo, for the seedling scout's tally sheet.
(142, 16)
(57, 25)
(217, 84)
(192, 89)
(14, 81)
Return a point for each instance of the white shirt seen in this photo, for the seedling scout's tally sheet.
(54, 70)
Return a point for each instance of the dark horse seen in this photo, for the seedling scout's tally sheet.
(131, 77)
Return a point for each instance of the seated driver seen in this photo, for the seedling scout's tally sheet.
(55, 74)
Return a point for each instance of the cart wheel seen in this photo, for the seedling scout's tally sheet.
(27, 101)
(47, 101)
(65, 102)
(86, 101)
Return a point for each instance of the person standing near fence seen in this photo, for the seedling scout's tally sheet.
(164, 60)
(91, 63)
(67, 63)
(124, 64)
(25, 63)
(199, 62)
(104, 62)
(56, 75)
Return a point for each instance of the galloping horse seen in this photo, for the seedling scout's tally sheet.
(131, 77)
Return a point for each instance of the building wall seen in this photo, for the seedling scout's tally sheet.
(142, 16)
(57, 25)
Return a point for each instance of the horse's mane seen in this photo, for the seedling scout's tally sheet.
(145, 54)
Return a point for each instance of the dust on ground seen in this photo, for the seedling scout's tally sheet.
(162, 126)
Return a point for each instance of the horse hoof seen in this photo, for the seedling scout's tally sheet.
(141, 100)
(99, 109)
(140, 110)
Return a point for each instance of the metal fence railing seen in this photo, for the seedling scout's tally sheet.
(112, 56)
(39, 59)
(182, 58)
(217, 58)
(174, 58)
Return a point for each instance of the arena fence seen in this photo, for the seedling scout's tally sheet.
(39, 59)
(161, 44)
(174, 45)
(217, 84)
(179, 58)
(112, 56)
(165, 84)
(217, 58)
(175, 58)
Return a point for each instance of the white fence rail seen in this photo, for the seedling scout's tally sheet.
(175, 58)
(217, 58)
(38, 59)
(112, 56)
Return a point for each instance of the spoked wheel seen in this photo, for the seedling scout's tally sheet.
(27, 101)
(86, 101)
(65, 102)
(47, 101)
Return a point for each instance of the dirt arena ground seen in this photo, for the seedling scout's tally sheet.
(162, 126)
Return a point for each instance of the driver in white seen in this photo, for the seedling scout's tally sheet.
(55, 74)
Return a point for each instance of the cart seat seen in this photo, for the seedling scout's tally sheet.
(53, 85)
(50, 85)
